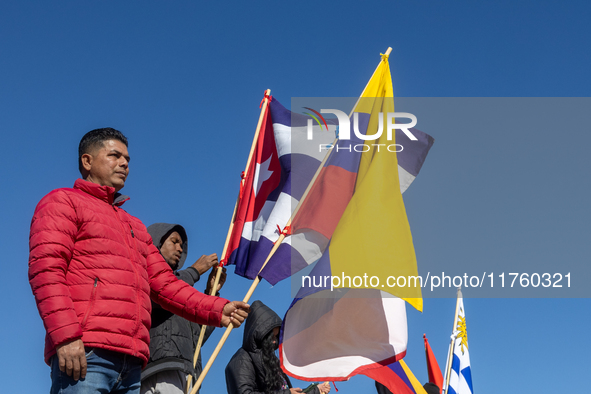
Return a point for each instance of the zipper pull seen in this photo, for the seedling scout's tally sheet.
(132, 234)
(95, 281)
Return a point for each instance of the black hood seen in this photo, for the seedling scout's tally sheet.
(260, 321)
(160, 231)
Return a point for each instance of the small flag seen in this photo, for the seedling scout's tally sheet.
(460, 373)
(435, 375)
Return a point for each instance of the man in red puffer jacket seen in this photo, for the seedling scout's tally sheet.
(93, 270)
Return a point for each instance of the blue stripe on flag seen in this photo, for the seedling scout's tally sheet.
(414, 153)
(256, 251)
(456, 364)
(467, 373)
(281, 115)
(273, 273)
(349, 158)
(306, 168)
(320, 270)
(398, 370)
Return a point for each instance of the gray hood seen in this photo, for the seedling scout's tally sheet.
(159, 233)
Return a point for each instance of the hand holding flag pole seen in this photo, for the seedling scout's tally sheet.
(264, 103)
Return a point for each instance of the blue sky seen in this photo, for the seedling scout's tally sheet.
(183, 80)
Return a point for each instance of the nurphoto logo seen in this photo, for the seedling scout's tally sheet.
(344, 129)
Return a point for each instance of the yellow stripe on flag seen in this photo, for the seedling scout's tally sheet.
(416, 385)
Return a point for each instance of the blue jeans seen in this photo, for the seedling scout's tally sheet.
(107, 372)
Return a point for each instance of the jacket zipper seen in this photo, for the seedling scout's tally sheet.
(137, 289)
(90, 302)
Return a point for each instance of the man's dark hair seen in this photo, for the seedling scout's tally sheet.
(94, 139)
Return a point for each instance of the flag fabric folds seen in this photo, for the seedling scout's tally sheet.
(460, 374)
(355, 203)
(433, 369)
(283, 165)
(355, 206)
(263, 185)
(372, 237)
(353, 220)
(397, 377)
(335, 335)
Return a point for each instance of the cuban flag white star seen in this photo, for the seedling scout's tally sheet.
(262, 173)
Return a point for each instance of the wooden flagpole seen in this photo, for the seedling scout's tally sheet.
(451, 344)
(257, 280)
(231, 228)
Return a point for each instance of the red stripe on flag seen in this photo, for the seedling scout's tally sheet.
(249, 205)
(326, 201)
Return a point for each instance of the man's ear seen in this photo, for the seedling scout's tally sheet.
(86, 161)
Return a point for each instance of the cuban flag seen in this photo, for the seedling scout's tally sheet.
(272, 190)
(460, 375)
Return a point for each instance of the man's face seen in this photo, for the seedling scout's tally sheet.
(108, 165)
(172, 249)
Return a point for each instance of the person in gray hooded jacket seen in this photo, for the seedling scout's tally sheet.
(173, 339)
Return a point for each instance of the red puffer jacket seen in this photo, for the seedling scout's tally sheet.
(93, 269)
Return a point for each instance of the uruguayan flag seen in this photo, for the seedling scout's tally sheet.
(460, 379)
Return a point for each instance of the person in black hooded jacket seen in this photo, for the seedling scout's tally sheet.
(173, 339)
(254, 368)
